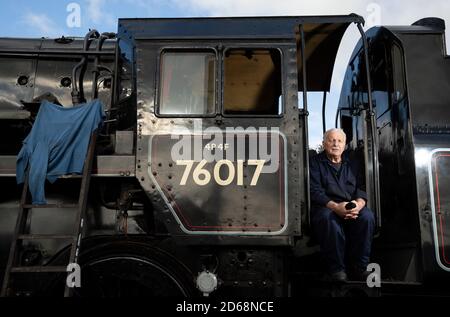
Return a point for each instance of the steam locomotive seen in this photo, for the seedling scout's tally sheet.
(200, 180)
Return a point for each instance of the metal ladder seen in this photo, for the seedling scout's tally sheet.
(13, 265)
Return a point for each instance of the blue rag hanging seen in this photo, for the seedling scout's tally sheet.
(57, 144)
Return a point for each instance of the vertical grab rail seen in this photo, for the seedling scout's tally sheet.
(373, 132)
(304, 116)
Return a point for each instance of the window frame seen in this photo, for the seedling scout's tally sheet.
(355, 102)
(186, 49)
(222, 81)
(395, 101)
(387, 77)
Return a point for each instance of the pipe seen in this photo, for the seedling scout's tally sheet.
(94, 35)
(97, 67)
(38, 52)
(77, 94)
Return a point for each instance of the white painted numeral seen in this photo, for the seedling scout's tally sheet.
(187, 170)
(240, 172)
(231, 172)
(202, 176)
(199, 170)
(259, 166)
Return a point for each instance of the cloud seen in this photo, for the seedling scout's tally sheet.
(98, 14)
(95, 10)
(43, 24)
(155, 8)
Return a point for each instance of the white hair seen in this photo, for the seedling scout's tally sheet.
(334, 130)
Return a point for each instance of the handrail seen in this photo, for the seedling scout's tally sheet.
(373, 129)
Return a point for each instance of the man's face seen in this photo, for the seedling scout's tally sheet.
(334, 144)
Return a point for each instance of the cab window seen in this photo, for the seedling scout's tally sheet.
(380, 91)
(252, 82)
(398, 73)
(187, 83)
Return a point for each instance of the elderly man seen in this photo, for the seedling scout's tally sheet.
(339, 217)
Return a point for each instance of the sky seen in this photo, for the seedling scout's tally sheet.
(53, 18)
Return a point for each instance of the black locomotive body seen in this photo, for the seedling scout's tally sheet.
(201, 169)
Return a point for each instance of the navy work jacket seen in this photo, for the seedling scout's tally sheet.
(326, 183)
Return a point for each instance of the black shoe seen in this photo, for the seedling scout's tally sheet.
(339, 277)
(359, 275)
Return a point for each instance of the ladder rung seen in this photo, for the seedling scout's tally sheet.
(70, 176)
(28, 206)
(44, 236)
(38, 269)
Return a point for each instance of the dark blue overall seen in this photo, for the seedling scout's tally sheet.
(341, 241)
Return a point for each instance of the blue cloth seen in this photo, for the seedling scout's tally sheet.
(343, 243)
(57, 144)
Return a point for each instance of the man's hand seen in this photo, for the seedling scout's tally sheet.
(339, 208)
(353, 213)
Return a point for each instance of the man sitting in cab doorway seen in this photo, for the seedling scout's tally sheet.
(340, 220)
